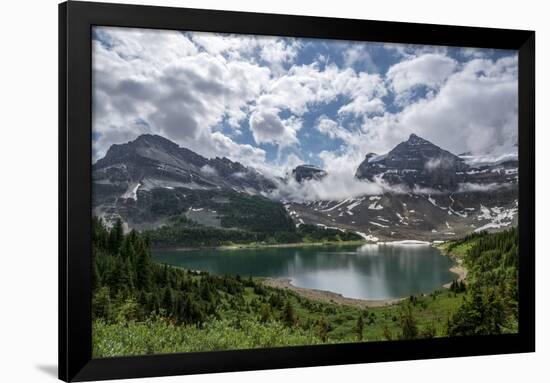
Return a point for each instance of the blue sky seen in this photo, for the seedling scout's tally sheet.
(274, 103)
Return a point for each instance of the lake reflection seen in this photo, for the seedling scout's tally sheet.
(369, 271)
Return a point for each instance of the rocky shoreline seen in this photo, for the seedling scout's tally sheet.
(328, 296)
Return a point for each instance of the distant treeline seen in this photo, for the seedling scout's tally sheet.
(184, 232)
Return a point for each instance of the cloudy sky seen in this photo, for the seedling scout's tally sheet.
(274, 103)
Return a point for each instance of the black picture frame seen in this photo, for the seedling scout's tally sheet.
(75, 343)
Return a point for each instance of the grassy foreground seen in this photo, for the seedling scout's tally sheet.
(141, 307)
(251, 323)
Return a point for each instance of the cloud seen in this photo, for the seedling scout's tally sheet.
(362, 105)
(332, 129)
(270, 102)
(230, 46)
(473, 187)
(163, 79)
(433, 163)
(217, 142)
(209, 170)
(333, 187)
(358, 54)
(485, 159)
(278, 51)
(268, 128)
(475, 111)
(408, 51)
(429, 70)
(304, 86)
(365, 92)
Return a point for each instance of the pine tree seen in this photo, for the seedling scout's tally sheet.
(322, 329)
(121, 277)
(128, 279)
(359, 328)
(387, 332)
(167, 301)
(101, 304)
(265, 313)
(127, 249)
(288, 314)
(430, 331)
(205, 291)
(115, 236)
(96, 277)
(143, 270)
(409, 329)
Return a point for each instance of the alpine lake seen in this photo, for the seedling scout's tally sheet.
(369, 271)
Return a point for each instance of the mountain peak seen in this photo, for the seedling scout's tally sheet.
(154, 161)
(307, 172)
(416, 140)
(154, 139)
(415, 162)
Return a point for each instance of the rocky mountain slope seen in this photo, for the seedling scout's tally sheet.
(430, 193)
(437, 196)
(144, 180)
(417, 163)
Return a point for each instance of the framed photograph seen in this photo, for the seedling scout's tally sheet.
(244, 191)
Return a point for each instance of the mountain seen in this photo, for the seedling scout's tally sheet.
(431, 194)
(308, 172)
(154, 161)
(418, 163)
(415, 162)
(135, 178)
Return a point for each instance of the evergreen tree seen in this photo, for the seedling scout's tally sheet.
(128, 311)
(288, 314)
(101, 304)
(115, 236)
(409, 329)
(96, 277)
(167, 300)
(387, 333)
(322, 329)
(429, 332)
(359, 328)
(121, 278)
(143, 270)
(265, 313)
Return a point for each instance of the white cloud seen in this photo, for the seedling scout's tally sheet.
(334, 187)
(162, 80)
(203, 90)
(475, 111)
(209, 170)
(358, 53)
(472, 187)
(332, 129)
(268, 128)
(430, 70)
(414, 50)
(229, 45)
(362, 105)
(278, 52)
(306, 85)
